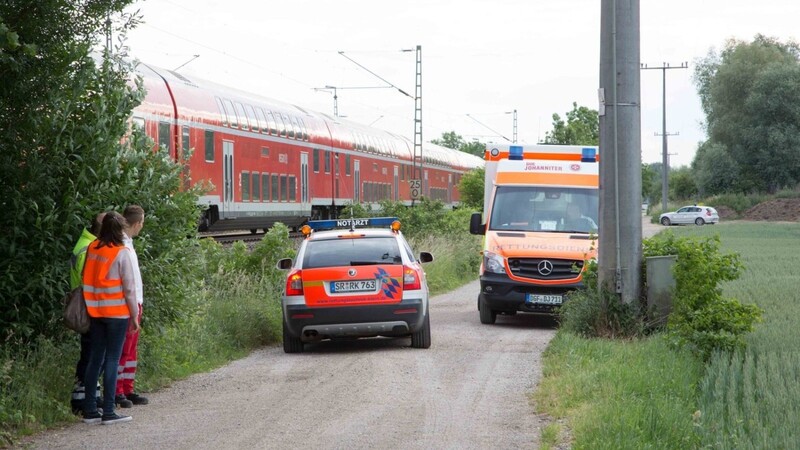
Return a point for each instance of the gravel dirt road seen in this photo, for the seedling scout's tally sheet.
(469, 390)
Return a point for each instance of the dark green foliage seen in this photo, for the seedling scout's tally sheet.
(701, 317)
(471, 188)
(681, 184)
(451, 139)
(594, 312)
(581, 128)
(750, 96)
(63, 116)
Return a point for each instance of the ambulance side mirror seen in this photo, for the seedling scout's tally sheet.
(475, 224)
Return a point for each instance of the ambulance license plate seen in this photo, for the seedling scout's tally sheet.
(539, 299)
(344, 287)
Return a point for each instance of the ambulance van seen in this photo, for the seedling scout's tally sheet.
(541, 206)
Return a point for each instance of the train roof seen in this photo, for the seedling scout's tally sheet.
(361, 137)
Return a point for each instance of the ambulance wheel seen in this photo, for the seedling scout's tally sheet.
(291, 344)
(422, 338)
(488, 316)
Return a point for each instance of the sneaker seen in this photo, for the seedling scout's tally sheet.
(122, 401)
(115, 418)
(137, 399)
(94, 417)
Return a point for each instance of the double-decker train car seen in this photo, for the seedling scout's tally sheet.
(267, 161)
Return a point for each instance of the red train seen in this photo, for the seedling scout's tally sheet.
(270, 161)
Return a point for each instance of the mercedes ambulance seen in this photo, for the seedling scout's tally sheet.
(541, 204)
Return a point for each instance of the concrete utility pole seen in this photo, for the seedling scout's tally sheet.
(664, 134)
(620, 242)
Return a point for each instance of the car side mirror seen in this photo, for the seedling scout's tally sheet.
(425, 257)
(475, 224)
(284, 264)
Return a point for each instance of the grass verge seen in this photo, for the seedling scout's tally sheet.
(646, 394)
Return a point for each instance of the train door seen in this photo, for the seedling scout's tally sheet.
(356, 181)
(425, 185)
(396, 184)
(449, 187)
(304, 177)
(227, 178)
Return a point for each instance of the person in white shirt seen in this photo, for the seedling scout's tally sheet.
(126, 373)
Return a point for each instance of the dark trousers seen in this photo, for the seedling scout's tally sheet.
(107, 336)
(86, 348)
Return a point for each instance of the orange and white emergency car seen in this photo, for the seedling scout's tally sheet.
(352, 278)
(541, 204)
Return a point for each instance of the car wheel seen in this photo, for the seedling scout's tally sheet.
(291, 344)
(699, 222)
(422, 338)
(488, 316)
(665, 221)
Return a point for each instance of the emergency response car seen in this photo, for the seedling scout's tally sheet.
(353, 278)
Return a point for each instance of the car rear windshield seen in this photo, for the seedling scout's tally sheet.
(352, 252)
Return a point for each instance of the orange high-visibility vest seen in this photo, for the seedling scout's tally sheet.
(104, 296)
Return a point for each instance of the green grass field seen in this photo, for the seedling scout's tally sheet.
(644, 394)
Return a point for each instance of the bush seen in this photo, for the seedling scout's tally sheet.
(701, 318)
(594, 312)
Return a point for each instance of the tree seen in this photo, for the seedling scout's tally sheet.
(581, 128)
(750, 97)
(63, 116)
(681, 184)
(471, 188)
(651, 183)
(451, 139)
(715, 171)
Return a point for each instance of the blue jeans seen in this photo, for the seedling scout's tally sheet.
(107, 337)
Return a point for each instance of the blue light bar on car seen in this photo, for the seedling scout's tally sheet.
(373, 222)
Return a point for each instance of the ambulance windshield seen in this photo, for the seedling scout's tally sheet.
(537, 208)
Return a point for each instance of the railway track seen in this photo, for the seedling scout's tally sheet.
(247, 237)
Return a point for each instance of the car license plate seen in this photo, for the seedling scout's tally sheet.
(544, 299)
(343, 287)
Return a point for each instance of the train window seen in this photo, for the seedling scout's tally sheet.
(265, 152)
(262, 120)
(209, 146)
(336, 164)
(230, 113)
(316, 160)
(297, 133)
(245, 186)
(185, 140)
(256, 187)
(138, 122)
(293, 189)
(275, 195)
(251, 115)
(374, 167)
(241, 116)
(273, 128)
(163, 136)
(281, 125)
(283, 188)
(327, 158)
(303, 128)
(223, 115)
(289, 127)
(347, 165)
(265, 187)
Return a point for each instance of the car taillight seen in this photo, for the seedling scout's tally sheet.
(411, 279)
(294, 283)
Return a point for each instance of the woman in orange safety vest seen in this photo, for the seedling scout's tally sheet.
(110, 294)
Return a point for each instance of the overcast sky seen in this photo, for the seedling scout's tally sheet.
(479, 57)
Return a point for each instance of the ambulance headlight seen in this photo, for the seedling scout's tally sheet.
(492, 262)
